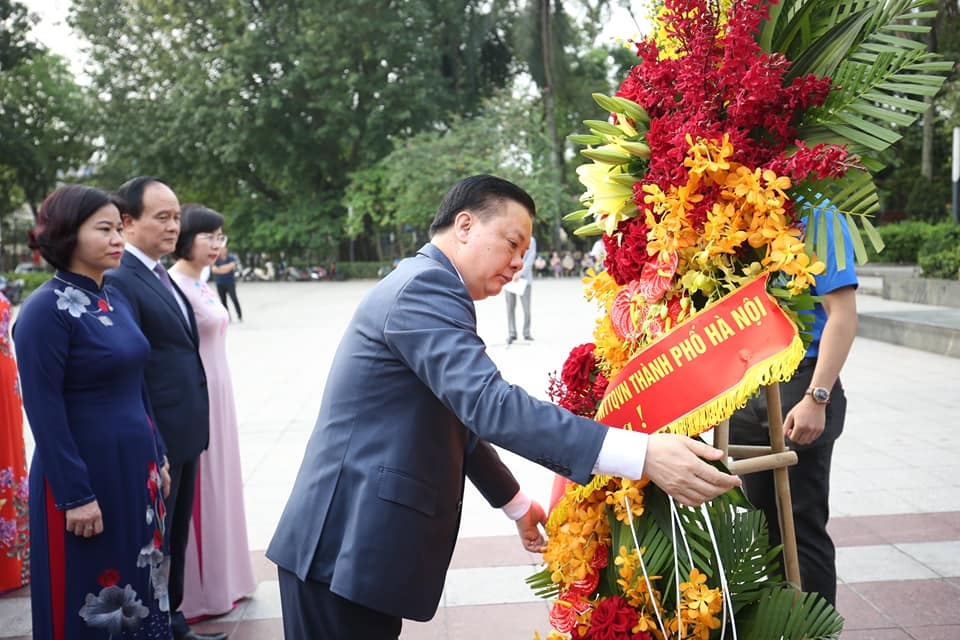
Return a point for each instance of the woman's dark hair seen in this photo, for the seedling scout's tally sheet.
(59, 220)
(194, 219)
(483, 196)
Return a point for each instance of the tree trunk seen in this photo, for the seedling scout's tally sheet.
(556, 148)
(929, 116)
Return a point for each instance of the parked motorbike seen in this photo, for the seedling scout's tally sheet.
(12, 289)
(298, 275)
(255, 274)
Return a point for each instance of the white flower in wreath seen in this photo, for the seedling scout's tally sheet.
(73, 301)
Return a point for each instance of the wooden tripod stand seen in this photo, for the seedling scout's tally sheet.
(776, 457)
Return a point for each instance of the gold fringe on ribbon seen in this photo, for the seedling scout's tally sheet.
(778, 368)
(574, 495)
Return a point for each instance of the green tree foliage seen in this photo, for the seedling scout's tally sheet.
(264, 109)
(396, 198)
(557, 45)
(904, 160)
(43, 114)
(15, 25)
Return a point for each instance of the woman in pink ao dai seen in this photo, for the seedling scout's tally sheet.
(218, 569)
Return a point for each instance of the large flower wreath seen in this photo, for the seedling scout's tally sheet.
(745, 124)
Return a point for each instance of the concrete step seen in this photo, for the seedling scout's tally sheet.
(934, 331)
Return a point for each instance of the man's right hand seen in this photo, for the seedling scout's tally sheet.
(673, 463)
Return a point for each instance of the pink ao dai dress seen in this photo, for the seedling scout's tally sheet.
(218, 569)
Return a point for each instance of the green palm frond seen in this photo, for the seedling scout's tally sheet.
(787, 614)
(880, 77)
(855, 196)
(542, 585)
(655, 541)
(748, 562)
(794, 26)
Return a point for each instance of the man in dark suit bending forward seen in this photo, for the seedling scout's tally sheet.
(410, 405)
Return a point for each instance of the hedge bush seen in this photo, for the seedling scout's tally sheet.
(928, 200)
(359, 270)
(30, 280)
(939, 257)
(902, 241)
(942, 237)
(943, 264)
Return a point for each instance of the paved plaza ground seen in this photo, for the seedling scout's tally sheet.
(895, 501)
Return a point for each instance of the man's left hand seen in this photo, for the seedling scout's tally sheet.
(805, 422)
(528, 526)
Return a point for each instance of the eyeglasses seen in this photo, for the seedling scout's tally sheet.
(218, 239)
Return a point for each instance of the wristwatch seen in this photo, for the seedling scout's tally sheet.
(820, 395)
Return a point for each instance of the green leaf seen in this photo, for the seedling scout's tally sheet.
(840, 247)
(585, 139)
(638, 149)
(858, 248)
(872, 233)
(575, 216)
(592, 229)
(604, 128)
(608, 156)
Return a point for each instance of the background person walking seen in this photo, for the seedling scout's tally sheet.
(522, 280)
(225, 276)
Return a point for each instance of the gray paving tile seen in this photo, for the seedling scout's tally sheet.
(15, 614)
(943, 558)
(483, 586)
(933, 632)
(877, 563)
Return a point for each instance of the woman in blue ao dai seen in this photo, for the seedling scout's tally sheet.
(98, 475)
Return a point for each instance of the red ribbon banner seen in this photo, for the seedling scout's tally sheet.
(698, 361)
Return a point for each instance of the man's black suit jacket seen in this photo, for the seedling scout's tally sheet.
(176, 382)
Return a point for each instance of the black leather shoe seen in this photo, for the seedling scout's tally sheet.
(193, 635)
(511, 339)
(528, 338)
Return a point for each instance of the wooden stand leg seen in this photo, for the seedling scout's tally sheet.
(777, 458)
(721, 436)
(791, 564)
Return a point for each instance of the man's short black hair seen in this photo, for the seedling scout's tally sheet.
(130, 194)
(482, 195)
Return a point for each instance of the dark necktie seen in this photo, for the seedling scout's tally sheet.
(168, 283)
(165, 279)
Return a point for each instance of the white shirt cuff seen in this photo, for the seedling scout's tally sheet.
(518, 506)
(622, 454)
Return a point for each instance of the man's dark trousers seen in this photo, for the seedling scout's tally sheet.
(809, 479)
